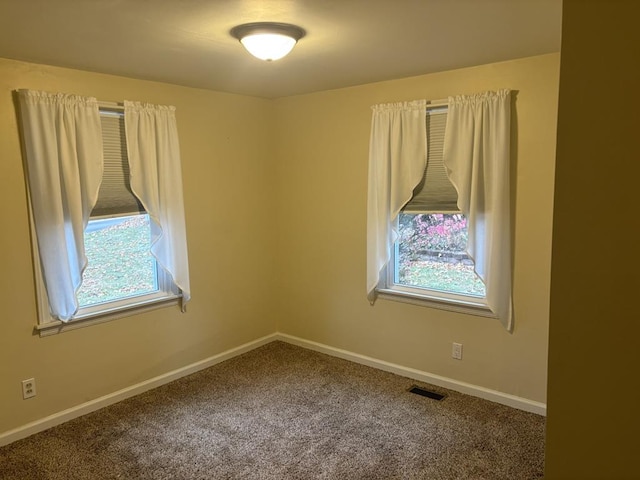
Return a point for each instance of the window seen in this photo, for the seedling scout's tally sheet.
(100, 250)
(430, 254)
(420, 214)
(121, 271)
(429, 261)
(120, 264)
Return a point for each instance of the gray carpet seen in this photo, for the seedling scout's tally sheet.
(284, 412)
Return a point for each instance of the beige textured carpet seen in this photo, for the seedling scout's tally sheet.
(284, 412)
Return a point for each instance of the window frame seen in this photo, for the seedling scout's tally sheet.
(454, 302)
(164, 284)
(166, 295)
(390, 290)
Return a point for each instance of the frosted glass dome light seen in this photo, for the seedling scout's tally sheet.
(268, 41)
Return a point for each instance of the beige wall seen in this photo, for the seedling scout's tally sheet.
(322, 147)
(594, 400)
(225, 144)
(275, 199)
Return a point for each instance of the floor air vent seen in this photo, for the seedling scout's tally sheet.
(426, 393)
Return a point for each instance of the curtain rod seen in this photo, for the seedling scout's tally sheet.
(443, 102)
(115, 106)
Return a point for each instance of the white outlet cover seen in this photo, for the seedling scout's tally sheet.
(456, 351)
(28, 388)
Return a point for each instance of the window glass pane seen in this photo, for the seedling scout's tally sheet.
(120, 261)
(431, 253)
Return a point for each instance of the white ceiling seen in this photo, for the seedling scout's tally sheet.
(348, 42)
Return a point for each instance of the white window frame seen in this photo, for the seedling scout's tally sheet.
(166, 295)
(99, 313)
(460, 303)
(390, 290)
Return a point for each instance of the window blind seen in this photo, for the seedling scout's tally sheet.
(435, 193)
(115, 197)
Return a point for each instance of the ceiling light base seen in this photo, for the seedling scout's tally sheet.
(268, 40)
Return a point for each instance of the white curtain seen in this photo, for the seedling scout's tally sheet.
(476, 154)
(397, 159)
(63, 149)
(156, 179)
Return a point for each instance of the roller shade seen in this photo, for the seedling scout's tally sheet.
(435, 193)
(115, 197)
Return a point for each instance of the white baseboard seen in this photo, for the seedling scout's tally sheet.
(98, 403)
(426, 377)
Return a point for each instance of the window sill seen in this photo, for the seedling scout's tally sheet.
(56, 326)
(468, 307)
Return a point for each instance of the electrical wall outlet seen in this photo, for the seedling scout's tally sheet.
(28, 388)
(456, 351)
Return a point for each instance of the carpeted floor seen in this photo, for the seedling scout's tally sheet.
(284, 412)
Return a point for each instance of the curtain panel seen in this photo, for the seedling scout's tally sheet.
(63, 149)
(477, 157)
(397, 160)
(156, 179)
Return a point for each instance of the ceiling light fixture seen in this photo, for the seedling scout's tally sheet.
(268, 40)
